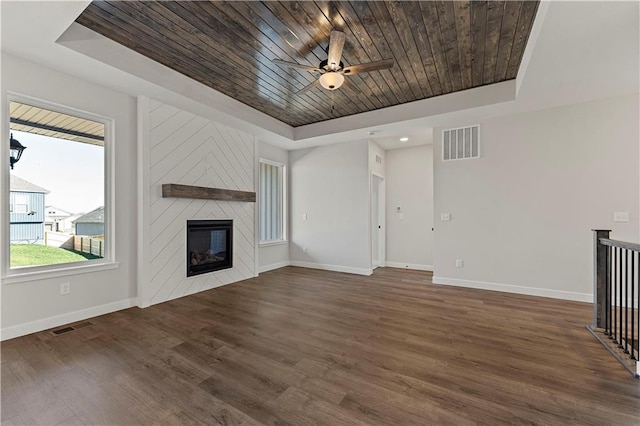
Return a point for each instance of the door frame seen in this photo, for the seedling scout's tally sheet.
(381, 220)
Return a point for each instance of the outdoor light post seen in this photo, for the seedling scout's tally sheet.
(15, 150)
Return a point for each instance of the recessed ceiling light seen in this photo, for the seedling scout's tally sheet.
(404, 139)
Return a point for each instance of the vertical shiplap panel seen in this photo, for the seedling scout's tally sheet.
(191, 150)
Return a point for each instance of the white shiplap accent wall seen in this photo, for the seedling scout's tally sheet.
(184, 148)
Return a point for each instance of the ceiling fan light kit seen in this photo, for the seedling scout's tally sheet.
(331, 80)
(332, 69)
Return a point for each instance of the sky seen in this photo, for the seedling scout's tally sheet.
(72, 172)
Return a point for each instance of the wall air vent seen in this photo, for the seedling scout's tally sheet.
(461, 143)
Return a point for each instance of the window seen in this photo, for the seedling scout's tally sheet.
(20, 204)
(272, 216)
(64, 164)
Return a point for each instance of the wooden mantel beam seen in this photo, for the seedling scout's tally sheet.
(174, 190)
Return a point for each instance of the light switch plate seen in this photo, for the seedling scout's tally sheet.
(621, 217)
(445, 217)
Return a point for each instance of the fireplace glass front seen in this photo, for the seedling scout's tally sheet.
(209, 246)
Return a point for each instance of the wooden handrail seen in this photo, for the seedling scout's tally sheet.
(621, 244)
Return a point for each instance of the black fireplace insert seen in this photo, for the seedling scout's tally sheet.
(209, 246)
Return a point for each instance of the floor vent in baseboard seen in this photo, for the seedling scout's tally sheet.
(69, 328)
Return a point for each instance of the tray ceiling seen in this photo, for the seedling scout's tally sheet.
(438, 48)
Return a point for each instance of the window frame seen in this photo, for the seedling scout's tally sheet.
(30, 273)
(15, 204)
(282, 207)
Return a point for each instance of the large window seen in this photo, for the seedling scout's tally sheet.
(63, 168)
(272, 201)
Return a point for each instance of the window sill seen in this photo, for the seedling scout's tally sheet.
(14, 276)
(273, 243)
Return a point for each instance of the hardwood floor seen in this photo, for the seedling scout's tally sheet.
(299, 346)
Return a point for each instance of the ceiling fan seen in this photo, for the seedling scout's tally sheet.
(332, 70)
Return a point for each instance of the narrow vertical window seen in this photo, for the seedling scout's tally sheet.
(271, 202)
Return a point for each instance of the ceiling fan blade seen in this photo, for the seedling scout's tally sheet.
(307, 88)
(295, 65)
(336, 43)
(369, 66)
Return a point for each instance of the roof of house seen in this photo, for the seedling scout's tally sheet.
(94, 216)
(20, 185)
(57, 212)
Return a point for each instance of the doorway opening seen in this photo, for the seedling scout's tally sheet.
(377, 222)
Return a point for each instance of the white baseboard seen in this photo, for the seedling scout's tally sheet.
(414, 266)
(334, 268)
(507, 288)
(273, 266)
(58, 320)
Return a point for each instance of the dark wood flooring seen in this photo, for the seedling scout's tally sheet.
(299, 346)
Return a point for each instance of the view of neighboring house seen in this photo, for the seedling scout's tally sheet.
(26, 211)
(57, 219)
(91, 223)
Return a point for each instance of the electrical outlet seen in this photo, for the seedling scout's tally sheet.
(459, 263)
(65, 288)
(304, 249)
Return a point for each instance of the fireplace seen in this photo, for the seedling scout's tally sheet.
(209, 246)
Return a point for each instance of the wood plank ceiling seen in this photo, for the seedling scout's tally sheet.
(439, 47)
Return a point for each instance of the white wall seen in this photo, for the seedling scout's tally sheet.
(409, 184)
(522, 214)
(274, 255)
(36, 304)
(184, 148)
(330, 184)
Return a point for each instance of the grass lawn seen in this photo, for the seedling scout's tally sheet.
(35, 254)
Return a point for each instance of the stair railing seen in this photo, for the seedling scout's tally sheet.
(616, 323)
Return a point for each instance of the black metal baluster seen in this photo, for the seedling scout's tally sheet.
(607, 321)
(633, 304)
(619, 298)
(614, 275)
(637, 309)
(626, 302)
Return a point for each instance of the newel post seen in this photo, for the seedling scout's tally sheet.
(599, 278)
